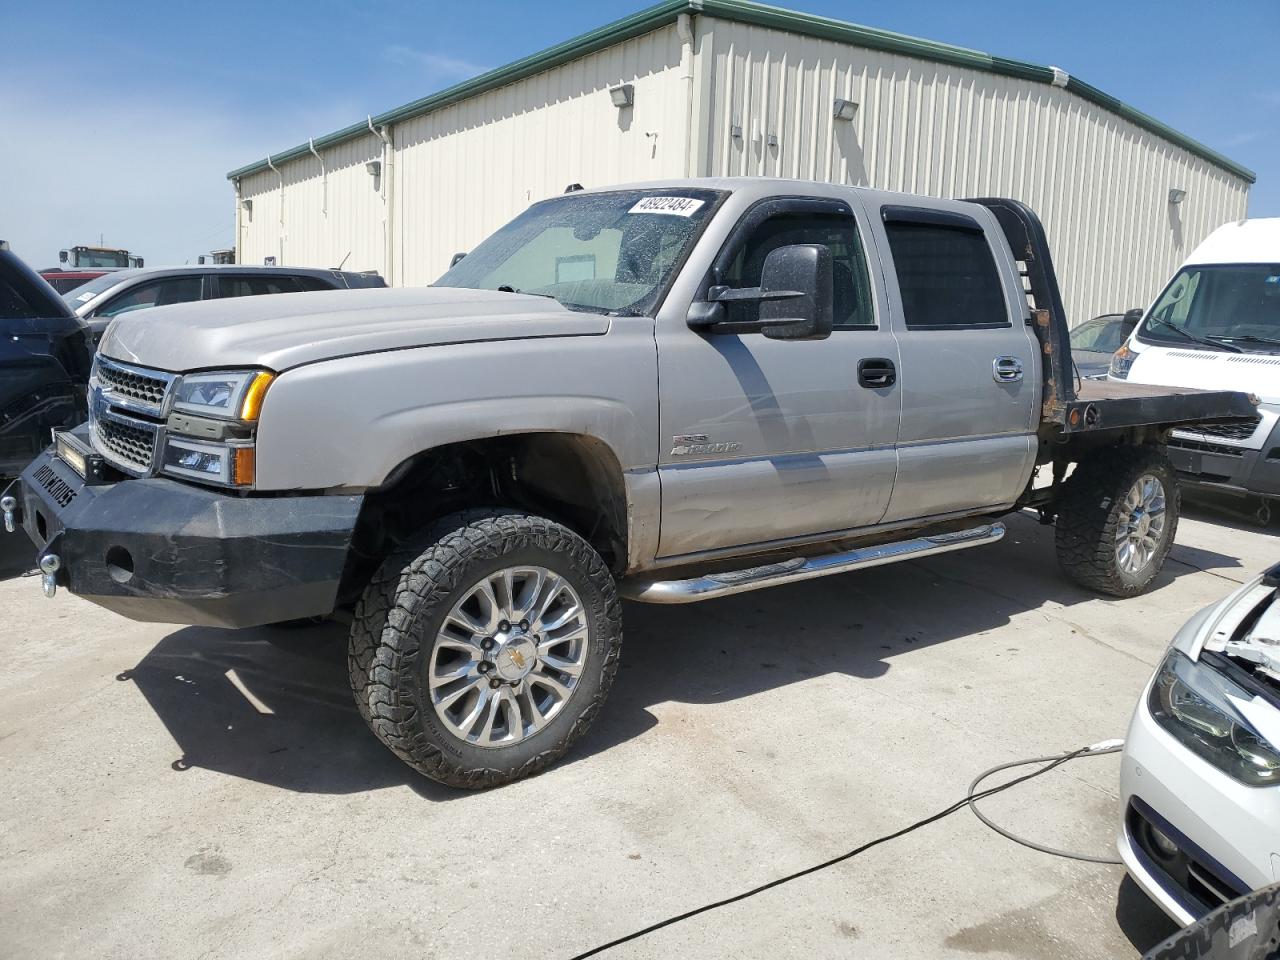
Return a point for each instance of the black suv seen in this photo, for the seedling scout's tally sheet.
(45, 352)
(99, 301)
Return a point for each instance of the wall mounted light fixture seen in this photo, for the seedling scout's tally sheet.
(247, 206)
(845, 109)
(374, 167)
(1177, 195)
(623, 96)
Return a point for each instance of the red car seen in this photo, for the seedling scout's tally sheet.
(62, 279)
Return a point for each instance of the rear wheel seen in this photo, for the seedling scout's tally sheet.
(1117, 519)
(479, 655)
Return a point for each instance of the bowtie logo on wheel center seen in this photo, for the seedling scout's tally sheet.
(515, 658)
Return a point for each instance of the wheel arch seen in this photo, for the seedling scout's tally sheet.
(576, 479)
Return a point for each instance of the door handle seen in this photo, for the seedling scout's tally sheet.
(876, 372)
(1006, 369)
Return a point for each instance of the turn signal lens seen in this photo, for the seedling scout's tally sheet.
(251, 406)
(245, 466)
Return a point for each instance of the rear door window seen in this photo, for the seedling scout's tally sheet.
(947, 276)
(313, 283)
(255, 286)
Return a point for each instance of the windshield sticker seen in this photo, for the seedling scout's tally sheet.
(85, 296)
(672, 206)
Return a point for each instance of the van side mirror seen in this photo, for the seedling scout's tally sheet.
(1131, 318)
(62, 256)
(795, 295)
(804, 270)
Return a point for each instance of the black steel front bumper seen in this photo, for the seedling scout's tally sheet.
(171, 552)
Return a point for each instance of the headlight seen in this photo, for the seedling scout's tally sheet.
(234, 394)
(225, 464)
(1121, 361)
(1201, 708)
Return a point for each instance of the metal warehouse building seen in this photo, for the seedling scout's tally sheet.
(726, 87)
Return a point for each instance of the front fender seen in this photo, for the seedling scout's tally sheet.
(348, 422)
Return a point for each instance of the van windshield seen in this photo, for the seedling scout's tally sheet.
(1235, 306)
(610, 253)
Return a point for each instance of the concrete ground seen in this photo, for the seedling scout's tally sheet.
(186, 792)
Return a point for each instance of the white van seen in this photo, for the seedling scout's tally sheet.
(1217, 326)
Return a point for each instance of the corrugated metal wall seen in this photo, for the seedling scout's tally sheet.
(1099, 183)
(463, 171)
(326, 218)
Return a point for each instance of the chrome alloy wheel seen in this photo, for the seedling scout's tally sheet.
(1140, 527)
(509, 656)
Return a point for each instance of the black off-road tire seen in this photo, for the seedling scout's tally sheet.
(397, 621)
(1089, 516)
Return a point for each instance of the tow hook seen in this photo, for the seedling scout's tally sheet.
(9, 504)
(50, 564)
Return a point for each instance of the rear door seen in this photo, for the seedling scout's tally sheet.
(970, 370)
(765, 440)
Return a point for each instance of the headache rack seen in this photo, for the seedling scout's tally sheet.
(1070, 405)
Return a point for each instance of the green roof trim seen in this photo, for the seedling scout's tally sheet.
(758, 14)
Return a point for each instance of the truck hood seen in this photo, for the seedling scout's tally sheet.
(1256, 373)
(286, 330)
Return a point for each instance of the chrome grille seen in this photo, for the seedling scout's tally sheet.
(131, 445)
(127, 406)
(133, 384)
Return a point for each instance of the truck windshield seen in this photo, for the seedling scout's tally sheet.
(89, 257)
(1235, 306)
(608, 253)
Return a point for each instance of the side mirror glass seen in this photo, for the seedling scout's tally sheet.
(803, 270)
(62, 256)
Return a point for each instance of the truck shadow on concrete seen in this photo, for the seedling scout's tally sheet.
(273, 706)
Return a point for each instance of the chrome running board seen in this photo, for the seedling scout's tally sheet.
(805, 568)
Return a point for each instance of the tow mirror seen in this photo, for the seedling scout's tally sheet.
(802, 270)
(795, 297)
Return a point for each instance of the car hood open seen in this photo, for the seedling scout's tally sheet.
(287, 330)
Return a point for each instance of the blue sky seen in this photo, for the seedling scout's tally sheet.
(123, 120)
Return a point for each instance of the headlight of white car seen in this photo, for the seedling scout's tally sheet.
(1200, 707)
(1121, 361)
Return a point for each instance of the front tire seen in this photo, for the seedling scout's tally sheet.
(1117, 520)
(481, 653)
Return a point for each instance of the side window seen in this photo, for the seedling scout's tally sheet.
(947, 276)
(312, 283)
(158, 293)
(852, 287)
(255, 286)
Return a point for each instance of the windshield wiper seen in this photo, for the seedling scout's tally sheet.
(507, 288)
(1207, 341)
(1249, 338)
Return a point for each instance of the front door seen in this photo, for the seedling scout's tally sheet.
(765, 440)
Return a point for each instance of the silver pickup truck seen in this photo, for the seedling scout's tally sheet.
(669, 392)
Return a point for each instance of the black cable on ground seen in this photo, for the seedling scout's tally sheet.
(1096, 751)
(1050, 764)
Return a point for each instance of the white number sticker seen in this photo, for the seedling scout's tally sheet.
(672, 206)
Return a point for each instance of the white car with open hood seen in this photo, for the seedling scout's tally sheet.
(1217, 325)
(1200, 775)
